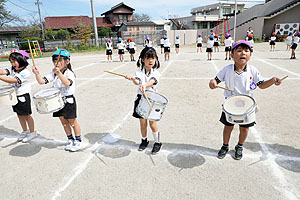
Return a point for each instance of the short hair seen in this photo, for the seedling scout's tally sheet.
(16, 56)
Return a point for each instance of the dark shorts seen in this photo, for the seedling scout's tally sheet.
(199, 44)
(209, 50)
(132, 51)
(177, 45)
(294, 46)
(68, 111)
(121, 51)
(23, 107)
(226, 123)
(108, 52)
(216, 44)
(272, 42)
(227, 48)
(136, 103)
(167, 49)
(161, 46)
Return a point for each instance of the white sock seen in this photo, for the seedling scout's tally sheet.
(156, 136)
(144, 138)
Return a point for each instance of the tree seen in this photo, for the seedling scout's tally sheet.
(31, 32)
(141, 17)
(105, 32)
(50, 34)
(5, 16)
(83, 33)
(63, 34)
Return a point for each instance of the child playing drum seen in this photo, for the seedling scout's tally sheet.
(19, 77)
(64, 80)
(240, 78)
(147, 78)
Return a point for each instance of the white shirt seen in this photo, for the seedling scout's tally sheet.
(241, 80)
(228, 42)
(108, 46)
(199, 40)
(289, 40)
(65, 90)
(162, 41)
(273, 38)
(210, 43)
(141, 76)
(167, 43)
(22, 86)
(177, 41)
(296, 40)
(216, 39)
(121, 45)
(131, 45)
(148, 43)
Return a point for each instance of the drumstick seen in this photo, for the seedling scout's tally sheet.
(115, 73)
(33, 63)
(224, 88)
(56, 65)
(147, 99)
(283, 78)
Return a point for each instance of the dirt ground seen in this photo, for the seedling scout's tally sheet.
(187, 166)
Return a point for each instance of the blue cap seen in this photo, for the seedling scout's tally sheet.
(211, 36)
(120, 39)
(164, 36)
(64, 53)
(177, 37)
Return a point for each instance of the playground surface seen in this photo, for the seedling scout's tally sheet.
(187, 166)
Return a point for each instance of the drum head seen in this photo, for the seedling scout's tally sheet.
(239, 104)
(6, 89)
(46, 92)
(157, 97)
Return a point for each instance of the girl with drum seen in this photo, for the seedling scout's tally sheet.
(241, 79)
(147, 78)
(63, 78)
(19, 77)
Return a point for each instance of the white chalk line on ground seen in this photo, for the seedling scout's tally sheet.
(82, 166)
(274, 167)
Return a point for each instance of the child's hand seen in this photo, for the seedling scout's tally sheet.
(35, 70)
(131, 78)
(56, 70)
(143, 88)
(276, 80)
(213, 84)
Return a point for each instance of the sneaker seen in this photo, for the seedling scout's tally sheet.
(225, 58)
(143, 145)
(223, 151)
(75, 146)
(23, 135)
(29, 137)
(238, 152)
(156, 147)
(69, 145)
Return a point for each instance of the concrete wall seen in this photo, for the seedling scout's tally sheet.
(291, 16)
(187, 36)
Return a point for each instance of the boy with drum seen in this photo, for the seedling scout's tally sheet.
(63, 78)
(147, 78)
(241, 78)
(19, 77)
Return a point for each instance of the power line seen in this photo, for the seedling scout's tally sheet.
(21, 6)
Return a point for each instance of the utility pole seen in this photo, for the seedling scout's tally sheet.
(234, 27)
(95, 23)
(38, 5)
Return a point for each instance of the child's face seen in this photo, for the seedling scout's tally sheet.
(149, 62)
(62, 64)
(15, 64)
(241, 55)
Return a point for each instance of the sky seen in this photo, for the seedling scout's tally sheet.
(157, 9)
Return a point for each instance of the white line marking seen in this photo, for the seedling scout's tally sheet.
(287, 189)
(170, 62)
(214, 64)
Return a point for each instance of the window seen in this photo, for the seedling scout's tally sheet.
(226, 10)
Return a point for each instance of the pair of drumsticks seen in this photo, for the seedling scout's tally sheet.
(122, 75)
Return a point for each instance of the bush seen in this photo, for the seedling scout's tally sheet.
(24, 46)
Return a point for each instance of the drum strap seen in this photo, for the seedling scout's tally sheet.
(232, 74)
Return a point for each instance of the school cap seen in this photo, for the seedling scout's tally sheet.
(64, 53)
(241, 42)
(22, 52)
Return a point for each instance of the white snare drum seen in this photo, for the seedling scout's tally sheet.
(240, 109)
(8, 95)
(48, 100)
(158, 103)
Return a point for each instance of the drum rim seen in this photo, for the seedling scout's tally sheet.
(46, 97)
(250, 110)
(160, 95)
(10, 90)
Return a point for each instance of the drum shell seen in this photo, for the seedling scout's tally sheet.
(144, 110)
(8, 97)
(241, 119)
(49, 104)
